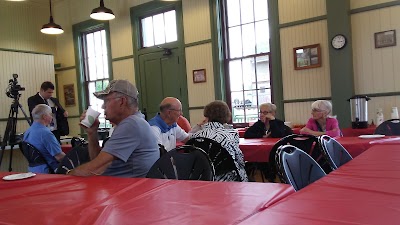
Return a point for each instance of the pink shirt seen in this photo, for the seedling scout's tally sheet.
(331, 124)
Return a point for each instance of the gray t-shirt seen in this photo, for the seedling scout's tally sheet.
(134, 146)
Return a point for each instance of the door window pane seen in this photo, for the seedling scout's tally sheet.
(159, 29)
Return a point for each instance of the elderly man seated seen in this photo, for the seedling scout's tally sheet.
(40, 136)
(164, 124)
(132, 149)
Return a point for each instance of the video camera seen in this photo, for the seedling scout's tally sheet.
(13, 87)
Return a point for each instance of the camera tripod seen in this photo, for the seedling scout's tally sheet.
(9, 134)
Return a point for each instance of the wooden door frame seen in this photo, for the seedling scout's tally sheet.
(147, 9)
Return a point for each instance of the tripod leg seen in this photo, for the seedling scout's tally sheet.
(7, 132)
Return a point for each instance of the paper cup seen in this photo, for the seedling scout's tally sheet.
(91, 116)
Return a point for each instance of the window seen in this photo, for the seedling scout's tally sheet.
(247, 57)
(159, 29)
(96, 71)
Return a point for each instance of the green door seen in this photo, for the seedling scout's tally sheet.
(162, 75)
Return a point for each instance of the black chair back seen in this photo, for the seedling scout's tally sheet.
(389, 128)
(33, 155)
(305, 142)
(183, 163)
(334, 152)
(298, 167)
(77, 156)
(225, 168)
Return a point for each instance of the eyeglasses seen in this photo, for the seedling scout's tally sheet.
(107, 100)
(177, 110)
(265, 112)
(316, 110)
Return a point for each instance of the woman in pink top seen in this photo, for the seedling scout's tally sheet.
(321, 122)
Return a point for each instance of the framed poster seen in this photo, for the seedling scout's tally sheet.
(69, 95)
(307, 57)
(385, 39)
(199, 76)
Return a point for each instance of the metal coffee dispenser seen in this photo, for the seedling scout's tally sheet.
(359, 111)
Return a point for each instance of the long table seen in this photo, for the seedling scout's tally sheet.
(366, 190)
(258, 149)
(61, 199)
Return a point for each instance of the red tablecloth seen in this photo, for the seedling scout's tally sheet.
(350, 132)
(364, 191)
(258, 149)
(61, 199)
(66, 148)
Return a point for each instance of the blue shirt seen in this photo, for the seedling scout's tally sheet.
(43, 140)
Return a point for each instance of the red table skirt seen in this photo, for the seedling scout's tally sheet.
(258, 149)
(365, 190)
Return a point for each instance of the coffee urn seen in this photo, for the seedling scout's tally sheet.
(359, 111)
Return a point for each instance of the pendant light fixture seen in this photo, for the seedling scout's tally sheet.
(102, 13)
(51, 27)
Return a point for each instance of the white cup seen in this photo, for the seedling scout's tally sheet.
(395, 113)
(91, 116)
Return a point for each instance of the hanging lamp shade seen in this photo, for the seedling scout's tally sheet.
(51, 27)
(102, 13)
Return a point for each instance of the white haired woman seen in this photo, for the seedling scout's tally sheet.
(321, 122)
(268, 125)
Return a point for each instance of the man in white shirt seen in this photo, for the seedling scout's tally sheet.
(164, 124)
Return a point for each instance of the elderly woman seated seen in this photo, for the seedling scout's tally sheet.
(321, 121)
(217, 114)
(268, 125)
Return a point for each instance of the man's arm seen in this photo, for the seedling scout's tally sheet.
(95, 167)
(31, 105)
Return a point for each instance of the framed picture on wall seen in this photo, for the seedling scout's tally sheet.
(199, 76)
(385, 39)
(69, 95)
(307, 57)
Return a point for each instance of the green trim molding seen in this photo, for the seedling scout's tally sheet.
(275, 58)
(306, 100)
(198, 43)
(78, 29)
(299, 22)
(340, 61)
(375, 7)
(123, 58)
(385, 94)
(23, 51)
(196, 107)
(217, 49)
(65, 68)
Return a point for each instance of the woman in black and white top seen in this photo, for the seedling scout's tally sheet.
(217, 114)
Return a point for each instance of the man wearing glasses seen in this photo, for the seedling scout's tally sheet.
(268, 125)
(132, 149)
(164, 124)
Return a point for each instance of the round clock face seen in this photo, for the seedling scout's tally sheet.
(339, 41)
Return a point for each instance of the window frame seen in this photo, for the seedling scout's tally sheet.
(227, 60)
(78, 30)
